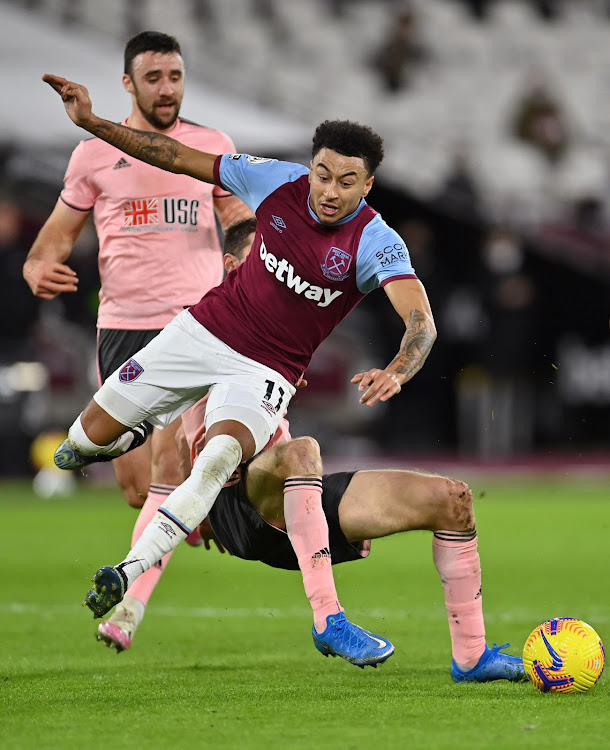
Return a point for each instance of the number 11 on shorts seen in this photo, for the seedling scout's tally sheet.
(270, 388)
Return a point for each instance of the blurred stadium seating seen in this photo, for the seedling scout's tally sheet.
(269, 70)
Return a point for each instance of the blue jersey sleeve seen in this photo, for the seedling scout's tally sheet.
(382, 257)
(253, 178)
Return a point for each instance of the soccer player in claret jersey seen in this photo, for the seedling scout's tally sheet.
(249, 521)
(158, 244)
(319, 249)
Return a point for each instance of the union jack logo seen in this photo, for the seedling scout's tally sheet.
(130, 371)
(138, 213)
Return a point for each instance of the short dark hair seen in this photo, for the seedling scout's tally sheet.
(236, 237)
(149, 41)
(350, 139)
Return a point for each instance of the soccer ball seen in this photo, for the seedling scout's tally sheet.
(564, 655)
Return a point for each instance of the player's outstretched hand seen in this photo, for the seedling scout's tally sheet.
(207, 534)
(74, 96)
(47, 278)
(378, 385)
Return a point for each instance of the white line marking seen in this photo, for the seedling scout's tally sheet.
(595, 616)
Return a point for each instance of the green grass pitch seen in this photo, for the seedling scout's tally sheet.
(225, 658)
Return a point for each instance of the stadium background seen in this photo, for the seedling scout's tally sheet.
(510, 237)
(497, 174)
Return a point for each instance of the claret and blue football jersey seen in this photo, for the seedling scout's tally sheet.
(301, 277)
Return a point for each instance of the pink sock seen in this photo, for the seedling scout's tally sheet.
(144, 584)
(457, 561)
(308, 533)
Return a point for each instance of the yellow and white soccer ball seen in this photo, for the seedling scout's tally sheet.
(564, 655)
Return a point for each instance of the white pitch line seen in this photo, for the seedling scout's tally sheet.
(594, 616)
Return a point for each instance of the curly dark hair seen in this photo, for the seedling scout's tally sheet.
(350, 139)
(237, 235)
(149, 41)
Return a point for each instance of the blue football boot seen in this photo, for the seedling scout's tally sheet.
(351, 642)
(66, 457)
(109, 586)
(493, 665)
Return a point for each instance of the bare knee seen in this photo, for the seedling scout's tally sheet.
(300, 456)
(457, 507)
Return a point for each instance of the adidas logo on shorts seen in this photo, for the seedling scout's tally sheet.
(121, 163)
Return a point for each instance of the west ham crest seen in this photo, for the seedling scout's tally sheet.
(337, 263)
(130, 371)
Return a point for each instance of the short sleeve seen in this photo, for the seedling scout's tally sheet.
(382, 257)
(253, 178)
(78, 192)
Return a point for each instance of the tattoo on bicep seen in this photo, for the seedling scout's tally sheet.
(415, 345)
(153, 148)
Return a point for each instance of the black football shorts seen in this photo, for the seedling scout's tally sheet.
(244, 533)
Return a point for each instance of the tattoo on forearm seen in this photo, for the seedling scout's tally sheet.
(415, 345)
(153, 148)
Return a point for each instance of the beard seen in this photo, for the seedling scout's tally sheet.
(159, 122)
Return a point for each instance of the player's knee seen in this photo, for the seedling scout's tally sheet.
(302, 456)
(459, 506)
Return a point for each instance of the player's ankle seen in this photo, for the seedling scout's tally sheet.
(320, 621)
(128, 614)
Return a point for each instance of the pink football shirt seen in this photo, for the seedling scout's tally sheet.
(158, 243)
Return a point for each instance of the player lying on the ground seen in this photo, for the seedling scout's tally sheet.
(319, 249)
(248, 520)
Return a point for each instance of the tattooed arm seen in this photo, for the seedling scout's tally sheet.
(409, 299)
(153, 148)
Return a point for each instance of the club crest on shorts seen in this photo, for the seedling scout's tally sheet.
(130, 371)
(337, 263)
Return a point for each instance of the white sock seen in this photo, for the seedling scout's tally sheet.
(128, 614)
(80, 442)
(186, 506)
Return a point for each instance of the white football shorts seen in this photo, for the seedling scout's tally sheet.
(183, 363)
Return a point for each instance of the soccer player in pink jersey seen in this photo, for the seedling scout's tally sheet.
(249, 521)
(319, 249)
(158, 245)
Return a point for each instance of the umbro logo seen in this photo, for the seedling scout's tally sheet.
(278, 223)
(168, 529)
(121, 163)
